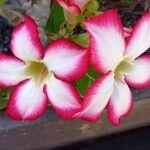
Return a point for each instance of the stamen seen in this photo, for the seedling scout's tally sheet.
(123, 67)
(37, 71)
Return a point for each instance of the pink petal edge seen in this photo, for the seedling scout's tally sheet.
(64, 68)
(6, 84)
(87, 101)
(139, 40)
(103, 48)
(73, 8)
(66, 113)
(140, 84)
(120, 103)
(13, 111)
(32, 28)
(113, 117)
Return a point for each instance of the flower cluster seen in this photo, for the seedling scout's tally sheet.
(42, 75)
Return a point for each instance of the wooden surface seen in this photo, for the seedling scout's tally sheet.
(137, 139)
(60, 132)
(50, 115)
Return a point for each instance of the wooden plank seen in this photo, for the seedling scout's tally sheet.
(61, 132)
(137, 139)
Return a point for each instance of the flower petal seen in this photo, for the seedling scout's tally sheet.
(69, 6)
(120, 102)
(127, 32)
(97, 98)
(66, 59)
(107, 40)
(11, 71)
(139, 76)
(27, 101)
(25, 43)
(63, 97)
(139, 40)
(80, 3)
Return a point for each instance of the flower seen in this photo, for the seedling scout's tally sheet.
(120, 64)
(72, 9)
(41, 75)
(73, 6)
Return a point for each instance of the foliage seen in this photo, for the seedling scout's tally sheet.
(86, 81)
(81, 39)
(4, 95)
(55, 20)
(2, 1)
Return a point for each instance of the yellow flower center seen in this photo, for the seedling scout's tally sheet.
(38, 71)
(124, 67)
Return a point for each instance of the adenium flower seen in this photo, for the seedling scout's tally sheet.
(41, 75)
(73, 6)
(120, 64)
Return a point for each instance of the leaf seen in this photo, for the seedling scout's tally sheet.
(3, 103)
(2, 1)
(4, 96)
(55, 20)
(86, 81)
(81, 39)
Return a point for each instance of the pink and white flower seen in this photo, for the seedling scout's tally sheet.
(120, 63)
(73, 6)
(41, 75)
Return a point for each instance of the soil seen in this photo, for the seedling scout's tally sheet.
(5, 35)
(130, 13)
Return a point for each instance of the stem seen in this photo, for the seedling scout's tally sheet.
(70, 29)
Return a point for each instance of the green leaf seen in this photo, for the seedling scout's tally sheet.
(86, 81)
(4, 96)
(81, 39)
(2, 1)
(3, 103)
(55, 20)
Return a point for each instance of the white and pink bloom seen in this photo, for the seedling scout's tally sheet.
(72, 9)
(73, 6)
(41, 75)
(120, 63)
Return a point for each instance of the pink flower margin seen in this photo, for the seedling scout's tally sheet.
(108, 48)
(73, 6)
(65, 60)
